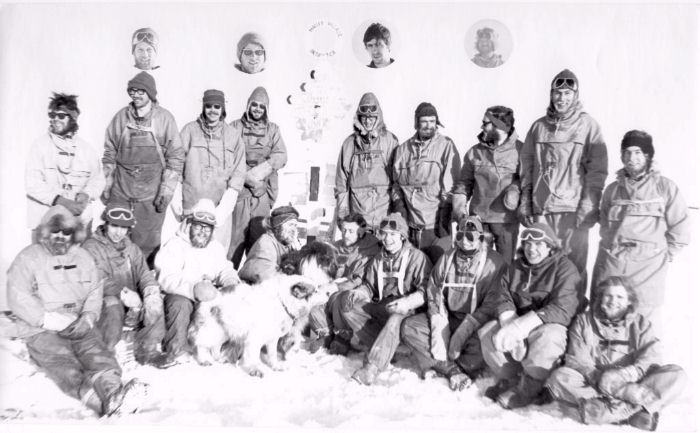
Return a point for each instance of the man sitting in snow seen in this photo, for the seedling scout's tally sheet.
(190, 266)
(462, 295)
(613, 368)
(131, 292)
(392, 288)
(54, 289)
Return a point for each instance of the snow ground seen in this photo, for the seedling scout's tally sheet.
(315, 392)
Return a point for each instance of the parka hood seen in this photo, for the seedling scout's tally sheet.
(369, 99)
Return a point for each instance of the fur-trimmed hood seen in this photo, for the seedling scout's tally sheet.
(59, 217)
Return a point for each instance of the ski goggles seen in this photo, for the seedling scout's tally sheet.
(533, 234)
(68, 231)
(256, 52)
(471, 235)
(61, 116)
(146, 37)
(565, 83)
(204, 217)
(367, 109)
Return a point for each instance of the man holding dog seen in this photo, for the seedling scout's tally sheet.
(191, 267)
(392, 288)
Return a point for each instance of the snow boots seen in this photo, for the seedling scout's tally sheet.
(644, 420)
(605, 410)
(526, 392)
(126, 400)
(366, 375)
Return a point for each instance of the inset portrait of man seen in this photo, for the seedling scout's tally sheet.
(251, 53)
(144, 47)
(377, 41)
(488, 44)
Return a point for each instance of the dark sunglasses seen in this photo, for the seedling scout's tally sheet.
(214, 106)
(256, 52)
(258, 104)
(61, 116)
(66, 232)
(560, 83)
(135, 91)
(365, 109)
(470, 235)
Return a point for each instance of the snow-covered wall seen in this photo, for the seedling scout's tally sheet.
(637, 65)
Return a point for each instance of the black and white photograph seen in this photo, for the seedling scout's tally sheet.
(380, 216)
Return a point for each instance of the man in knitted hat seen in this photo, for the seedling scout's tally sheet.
(55, 290)
(144, 47)
(265, 153)
(424, 169)
(490, 180)
(251, 53)
(644, 223)
(143, 161)
(537, 301)
(131, 293)
(363, 174)
(191, 268)
(62, 168)
(462, 290)
(563, 166)
(392, 287)
(215, 164)
(280, 237)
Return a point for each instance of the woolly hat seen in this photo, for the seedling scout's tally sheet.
(248, 38)
(540, 232)
(144, 81)
(282, 214)
(426, 109)
(565, 79)
(147, 35)
(204, 212)
(640, 139)
(470, 223)
(394, 221)
(213, 96)
(119, 214)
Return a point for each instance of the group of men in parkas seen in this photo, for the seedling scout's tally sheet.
(428, 249)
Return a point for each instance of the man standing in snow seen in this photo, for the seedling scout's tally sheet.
(265, 153)
(563, 166)
(54, 289)
(424, 168)
(143, 160)
(62, 168)
(392, 288)
(191, 267)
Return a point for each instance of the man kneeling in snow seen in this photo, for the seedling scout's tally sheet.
(462, 294)
(613, 370)
(53, 287)
(393, 287)
(190, 267)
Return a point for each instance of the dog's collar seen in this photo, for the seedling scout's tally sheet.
(285, 307)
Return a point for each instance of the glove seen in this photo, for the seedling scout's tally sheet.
(54, 321)
(73, 206)
(152, 304)
(81, 327)
(465, 329)
(225, 208)
(439, 334)
(130, 298)
(406, 304)
(507, 338)
(176, 203)
(82, 200)
(166, 190)
(519, 351)
(109, 181)
(511, 197)
(350, 298)
(587, 213)
(460, 382)
(612, 381)
(204, 291)
(459, 206)
(259, 173)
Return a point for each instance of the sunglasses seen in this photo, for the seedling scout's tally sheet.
(143, 37)
(205, 217)
(569, 83)
(65, 232)
(256, 52)
(61, 116)
(533, 234)
(206, 228)
(120, 213)
(214, 106)
(365, 109)
(135, 91)
(471, 235)
(258, 104)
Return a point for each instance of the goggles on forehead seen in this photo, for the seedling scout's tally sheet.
(120, 213)
(204, 217)
(533, 234)
(143, 37)
(368, 109)
(389, 224)
(66, 231)
(565, 83)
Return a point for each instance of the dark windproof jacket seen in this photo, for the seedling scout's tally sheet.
(551, 288)
(404, 272)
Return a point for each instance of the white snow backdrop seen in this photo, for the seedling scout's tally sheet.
(637, 65)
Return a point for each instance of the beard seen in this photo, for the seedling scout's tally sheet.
(58, 246)
(488, 137)
(200, 240)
